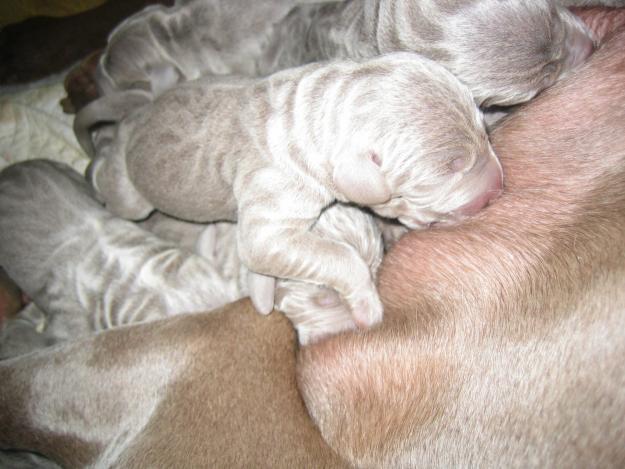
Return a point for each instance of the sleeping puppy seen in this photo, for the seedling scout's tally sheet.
(88, 269)
(505, 51)
(398, 134)
(91, 271)
(160, 46)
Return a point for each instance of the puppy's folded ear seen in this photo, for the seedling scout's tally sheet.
(360, 179)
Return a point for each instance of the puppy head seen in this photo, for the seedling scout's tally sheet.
(508, 51)
(317, 311)
(417, 147)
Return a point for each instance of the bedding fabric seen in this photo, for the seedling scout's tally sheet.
(33, 125)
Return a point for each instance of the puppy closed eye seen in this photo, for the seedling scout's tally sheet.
(327, 298)
(459, 164)
(461, 161)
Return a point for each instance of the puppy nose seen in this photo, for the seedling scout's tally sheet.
(492, 176)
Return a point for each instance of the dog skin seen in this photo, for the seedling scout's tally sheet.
(398, 134)
(602, 21)
(145, 278)
(478, 40)
(502, 345)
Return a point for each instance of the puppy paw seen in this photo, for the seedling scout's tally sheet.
(315, 311)
(366, 307)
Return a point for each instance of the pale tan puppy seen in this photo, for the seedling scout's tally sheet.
(398, 134)
(90, 271)
(87, 269)
(505, 51)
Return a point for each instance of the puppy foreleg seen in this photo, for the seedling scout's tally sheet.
(287, 249)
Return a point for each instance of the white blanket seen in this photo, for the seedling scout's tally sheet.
(33, 125)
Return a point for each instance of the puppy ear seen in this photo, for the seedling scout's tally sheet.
(360, 179)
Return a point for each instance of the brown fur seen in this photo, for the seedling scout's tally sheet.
(211, 411)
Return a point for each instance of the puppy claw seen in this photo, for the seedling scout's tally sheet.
(262, 289)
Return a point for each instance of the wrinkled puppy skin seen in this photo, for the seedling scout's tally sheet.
(314, 310)
(505, 52)
(398, 134)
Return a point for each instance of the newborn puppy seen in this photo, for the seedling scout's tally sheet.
(160, 46)
(88, 269)
(505, 51)
(398, 134)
